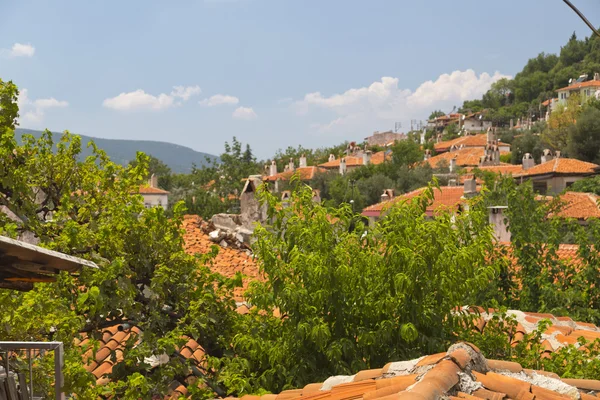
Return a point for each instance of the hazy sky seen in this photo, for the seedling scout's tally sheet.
(273, 73)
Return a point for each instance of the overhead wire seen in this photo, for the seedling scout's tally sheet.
(587, 22)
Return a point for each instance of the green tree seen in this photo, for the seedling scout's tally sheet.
(160, 170)
(587, 185)
(406, 153)
(584, 137)
(90, 209)
(354, 297)
(436, 113)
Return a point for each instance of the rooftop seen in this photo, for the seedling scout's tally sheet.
(228, 261)
(580, 85)
(444, 198)
(460, 373)
(355, 161)
(146, 189)
(305, 173)
(580, 206)
(479, 140)
(562, 166)
(465, 157)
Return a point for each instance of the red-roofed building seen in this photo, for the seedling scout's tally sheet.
(347, 163)
(445, 198)
(466, 141)
(153, 195)
(556, 175)
(585, 89)
(304, 173)
(580, 206)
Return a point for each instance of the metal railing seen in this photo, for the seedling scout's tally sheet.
(57, 347)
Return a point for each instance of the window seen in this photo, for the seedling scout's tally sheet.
(540, 187)
(569, 184)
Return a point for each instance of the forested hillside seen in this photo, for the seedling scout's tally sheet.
(538, 81)
(179, 158)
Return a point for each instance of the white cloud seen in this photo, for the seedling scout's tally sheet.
(382, 103)
(140, 100)
(32, 111)
(246, 113)
(21, 50)
(186, 92)
(220, 99)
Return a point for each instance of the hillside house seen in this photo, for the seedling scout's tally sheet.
(470, 141)
(584, 88)
(305, 173)
(153, 195)
(357, 159)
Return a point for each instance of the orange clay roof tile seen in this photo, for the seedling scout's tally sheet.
(580, 85)
(305, 174)
(444, 198)
(228, 261)
(561, 166)
(580, 206)
(466, 157)
(145, 189)
(354, 161)
(479, 140)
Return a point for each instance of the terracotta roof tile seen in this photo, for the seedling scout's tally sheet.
(145, 189)
(561, 166)
(580, 85)
(466, 157)
(353, 161)
(580, 206)
(479, 140)
(444, 198)
(305, 174)
(228, 261)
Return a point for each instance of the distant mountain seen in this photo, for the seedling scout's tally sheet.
(178, 158)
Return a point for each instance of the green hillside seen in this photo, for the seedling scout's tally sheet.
(178, 158)
(537, 82)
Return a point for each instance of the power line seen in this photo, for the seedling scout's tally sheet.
(588, 23)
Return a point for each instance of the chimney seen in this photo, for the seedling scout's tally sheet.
(557, 154)
(273, 169)
(596, 76)
(316, 195)
(291, 165)
(451, 182)
(366, 157)
(470, 188)
(528, 161)
(427, 155)
(303, 161)
(343, 166)
(490, 135)
(385, 197)
(331, 157)
(511, 123)
(153, 181)
(547, 156)
(497, 219)
(452, 164)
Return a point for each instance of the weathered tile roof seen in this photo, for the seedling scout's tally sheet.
(503, 169)
(305, 173)
(465, 157)
(561, 166)
(444, 198)
(145, 189)
(228, 261)
(479, 140)
(580, 206)
(353, 161)
(461, 373)
(580, 85)
(563, 331)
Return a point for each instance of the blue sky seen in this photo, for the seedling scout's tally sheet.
(274, 73)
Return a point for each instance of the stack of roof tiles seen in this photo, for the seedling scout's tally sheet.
(461, 373)
(228, 261)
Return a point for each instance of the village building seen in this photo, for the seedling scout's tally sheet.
(357, 159)
(153, 195)
(582, 87)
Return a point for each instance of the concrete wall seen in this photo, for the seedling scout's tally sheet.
(557, 184)
(156, 199)
(475, 125)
